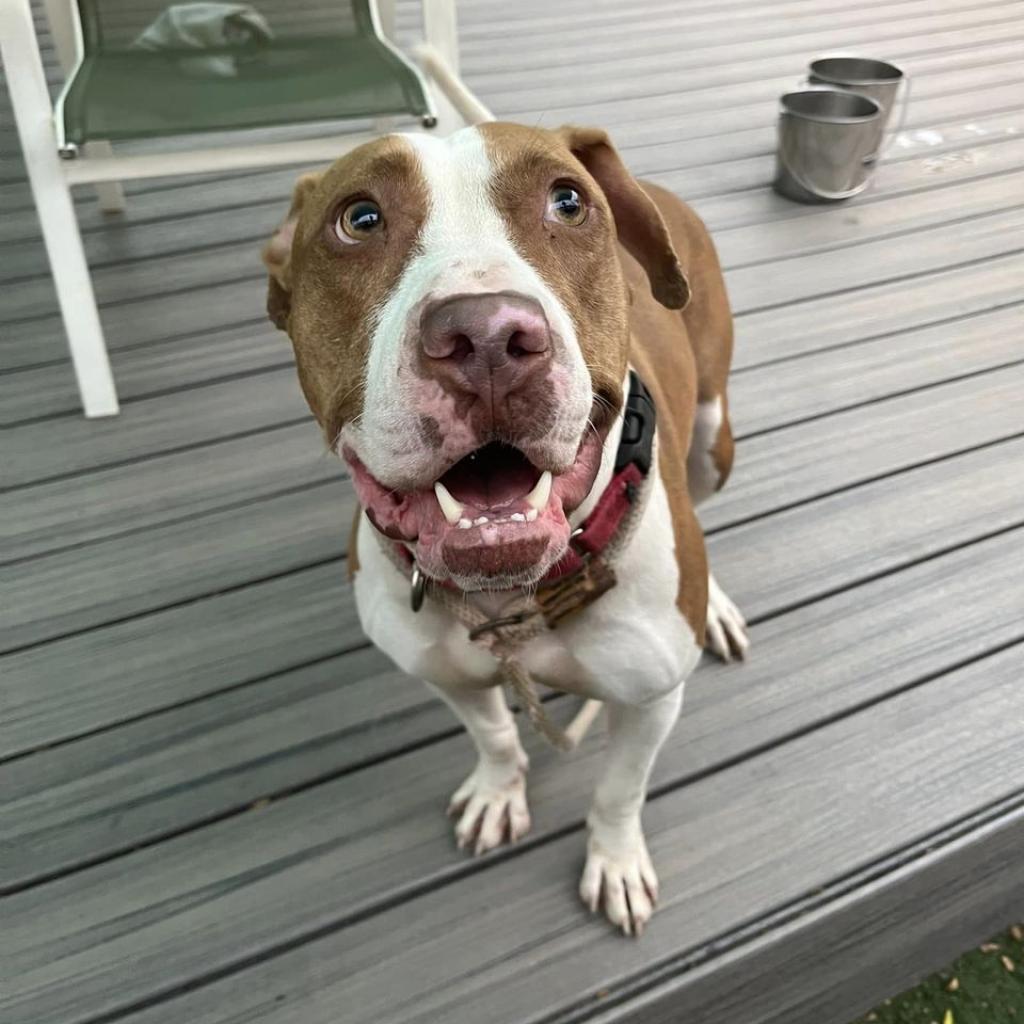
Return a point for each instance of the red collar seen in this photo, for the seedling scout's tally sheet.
(596, 533)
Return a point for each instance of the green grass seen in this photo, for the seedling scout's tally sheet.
(980, 988)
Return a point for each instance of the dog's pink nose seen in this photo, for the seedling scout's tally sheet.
(489, 345)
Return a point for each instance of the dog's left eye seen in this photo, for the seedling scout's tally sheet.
(566, 206)
(358, 221)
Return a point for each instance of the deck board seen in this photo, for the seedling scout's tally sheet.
(76, 510)
(233, 639)
(798, 463)
(89, 586)
(218, 802)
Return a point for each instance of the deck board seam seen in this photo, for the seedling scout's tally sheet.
(879, 399)
(138, 346)
(131, 300)
(864, 482)
(896, 333)
(99, 730)
(134, 460)
(271, 796)
(882, 237)
(223, 378)
(478, 77)
(529, 114)
(180, 603)
(188, 517)
(893, 279)
(482, 77)
(479, 33)
(880, 574)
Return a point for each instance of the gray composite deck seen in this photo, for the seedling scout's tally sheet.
(218, 804)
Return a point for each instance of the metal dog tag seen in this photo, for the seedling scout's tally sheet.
(417, 588)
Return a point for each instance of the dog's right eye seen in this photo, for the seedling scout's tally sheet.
(358, 221)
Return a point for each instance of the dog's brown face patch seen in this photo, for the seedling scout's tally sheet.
(323, 291)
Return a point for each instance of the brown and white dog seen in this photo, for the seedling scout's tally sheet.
(464, 312)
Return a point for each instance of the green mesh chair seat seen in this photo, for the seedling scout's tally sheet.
(189, 68)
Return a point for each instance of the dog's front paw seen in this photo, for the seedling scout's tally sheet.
(726, 627)
(491, 806)
(620, 877)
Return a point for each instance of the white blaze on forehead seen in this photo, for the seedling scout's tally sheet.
(462, 211)
(463, 247)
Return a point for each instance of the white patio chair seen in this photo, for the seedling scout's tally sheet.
(291, 63)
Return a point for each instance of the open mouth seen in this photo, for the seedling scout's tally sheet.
(491, 486)
(494, 519)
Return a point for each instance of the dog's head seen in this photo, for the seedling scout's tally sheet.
(460, 324)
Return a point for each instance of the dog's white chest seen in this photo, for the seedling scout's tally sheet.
(631, 645)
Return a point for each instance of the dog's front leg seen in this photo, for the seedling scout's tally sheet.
(618, 872)
(491, 804)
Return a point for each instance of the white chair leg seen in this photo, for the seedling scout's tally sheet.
(26, 83)
(386, 13)
(439, 56)
(440, 30)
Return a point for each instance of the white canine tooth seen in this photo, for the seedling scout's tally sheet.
(538, 497)
(481, 521)
(464, 524)
(518, 517)
(449, 506)
(531, 515)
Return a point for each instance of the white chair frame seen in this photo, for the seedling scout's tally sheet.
(51, 178)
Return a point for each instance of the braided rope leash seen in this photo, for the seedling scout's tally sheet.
(522, 621)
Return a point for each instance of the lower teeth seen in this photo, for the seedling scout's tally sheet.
(516, 517)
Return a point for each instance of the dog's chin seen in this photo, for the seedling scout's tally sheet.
(497, 555)
(493, 521)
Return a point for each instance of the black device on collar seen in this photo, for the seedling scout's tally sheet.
(638, 422)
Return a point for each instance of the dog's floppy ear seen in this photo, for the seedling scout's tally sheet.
(277, 254)
(637, 220)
